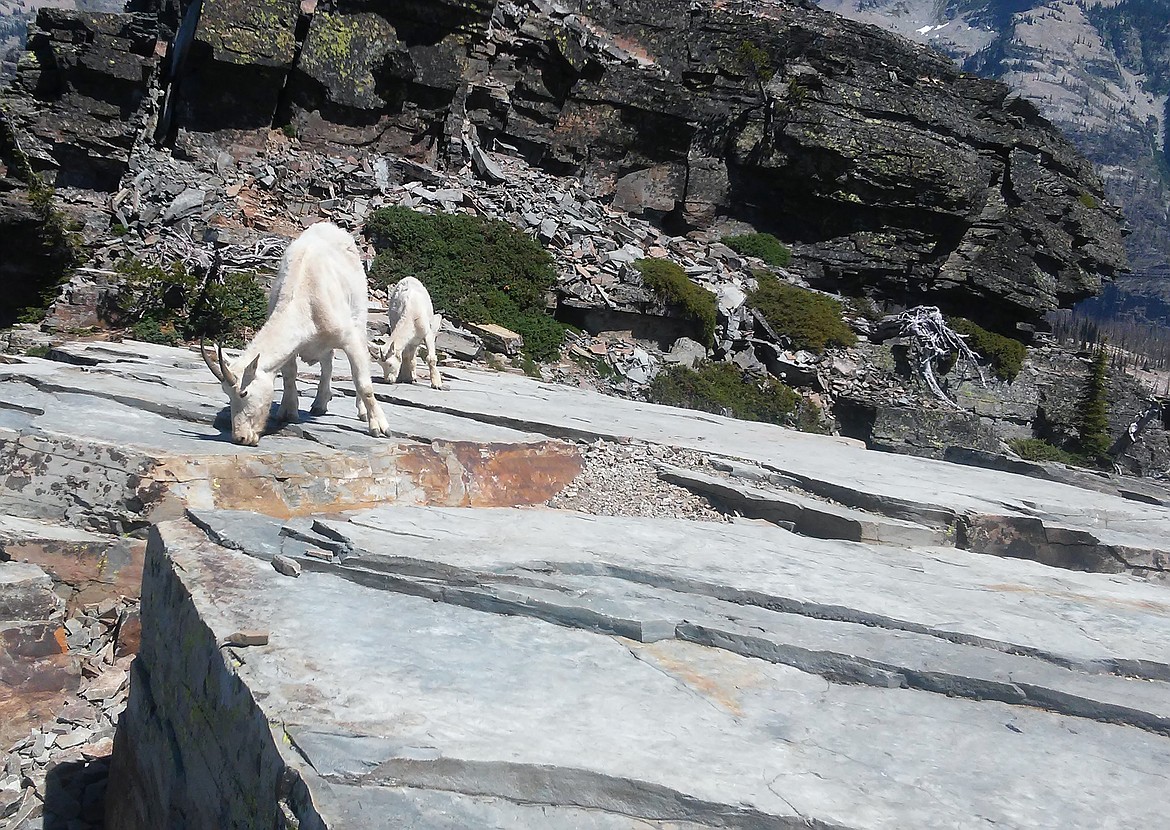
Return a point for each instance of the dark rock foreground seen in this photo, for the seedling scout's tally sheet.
(890, 172)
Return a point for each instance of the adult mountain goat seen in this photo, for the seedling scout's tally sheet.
(317, 304)
(413, 323)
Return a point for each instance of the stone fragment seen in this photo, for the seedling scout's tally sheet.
(245, 638)
(188, 203)
(129, 635)
(11, 796)
(100, 748)
(71, 739)
(286, 565)
(458, 343)
(104, 686)
(497, 338)
(26, 593)
(686, 352)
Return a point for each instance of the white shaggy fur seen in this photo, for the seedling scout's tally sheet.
(317, 304)
(413, 323)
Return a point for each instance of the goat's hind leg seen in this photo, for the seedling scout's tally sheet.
(433, 361)
(359, 366)
(290, 404)
(324, 388)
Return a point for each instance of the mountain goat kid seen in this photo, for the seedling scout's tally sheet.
(317, 304)
(413, 322)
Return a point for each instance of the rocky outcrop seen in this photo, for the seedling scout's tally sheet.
(890, 172)
(1100, 72)
(38, 253)
(540, 669)
(80, 97)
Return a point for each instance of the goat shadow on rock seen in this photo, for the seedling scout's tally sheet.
(273, 426)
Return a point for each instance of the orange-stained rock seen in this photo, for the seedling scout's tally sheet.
(129, 636)
(95, 570)
(505, 475)
(36, 673)
(452, 474)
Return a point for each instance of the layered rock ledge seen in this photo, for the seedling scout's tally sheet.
(532, 668)
(863, 643)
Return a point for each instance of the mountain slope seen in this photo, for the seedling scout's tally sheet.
(889, 173)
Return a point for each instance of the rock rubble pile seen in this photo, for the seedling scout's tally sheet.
(622, 480)
(56, 776)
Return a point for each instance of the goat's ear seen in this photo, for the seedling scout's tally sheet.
(249, 374)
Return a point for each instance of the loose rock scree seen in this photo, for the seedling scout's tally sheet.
(318, 303)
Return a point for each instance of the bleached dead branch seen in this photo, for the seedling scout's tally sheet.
(197, 257)
(931, 340)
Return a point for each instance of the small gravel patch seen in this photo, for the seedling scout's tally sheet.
(622, 480)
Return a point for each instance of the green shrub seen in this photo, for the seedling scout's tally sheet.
(169, 305)
(763, 245)
(38, 351)
(755, 60)
(1005, 354)
(290, 130)
(671, 284)
(810, 320)
(476, 270)
(225, 309)
(723, 389)
(528, 366)
(1092, 415)
(862, 307)
(154, 330)
(1037, 449)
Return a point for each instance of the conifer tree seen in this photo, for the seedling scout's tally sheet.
(1092, 409)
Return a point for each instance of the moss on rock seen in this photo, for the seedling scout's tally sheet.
(810, 320)
(668, 280)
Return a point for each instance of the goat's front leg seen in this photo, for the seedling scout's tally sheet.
(324, 389)
(290, 404)
(359, 366)
(433, 360)
(406, 368)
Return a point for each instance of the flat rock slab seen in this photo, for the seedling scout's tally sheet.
(954, 594)
(1018, 516)
(843, 638)
(806, 515)
(487, 440)
(451, 714)
(111, 434)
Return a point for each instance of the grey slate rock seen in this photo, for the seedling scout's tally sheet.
(186, 204)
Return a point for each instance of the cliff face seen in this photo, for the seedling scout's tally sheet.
(891, 172)
(16, 15)
(1099, 70)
